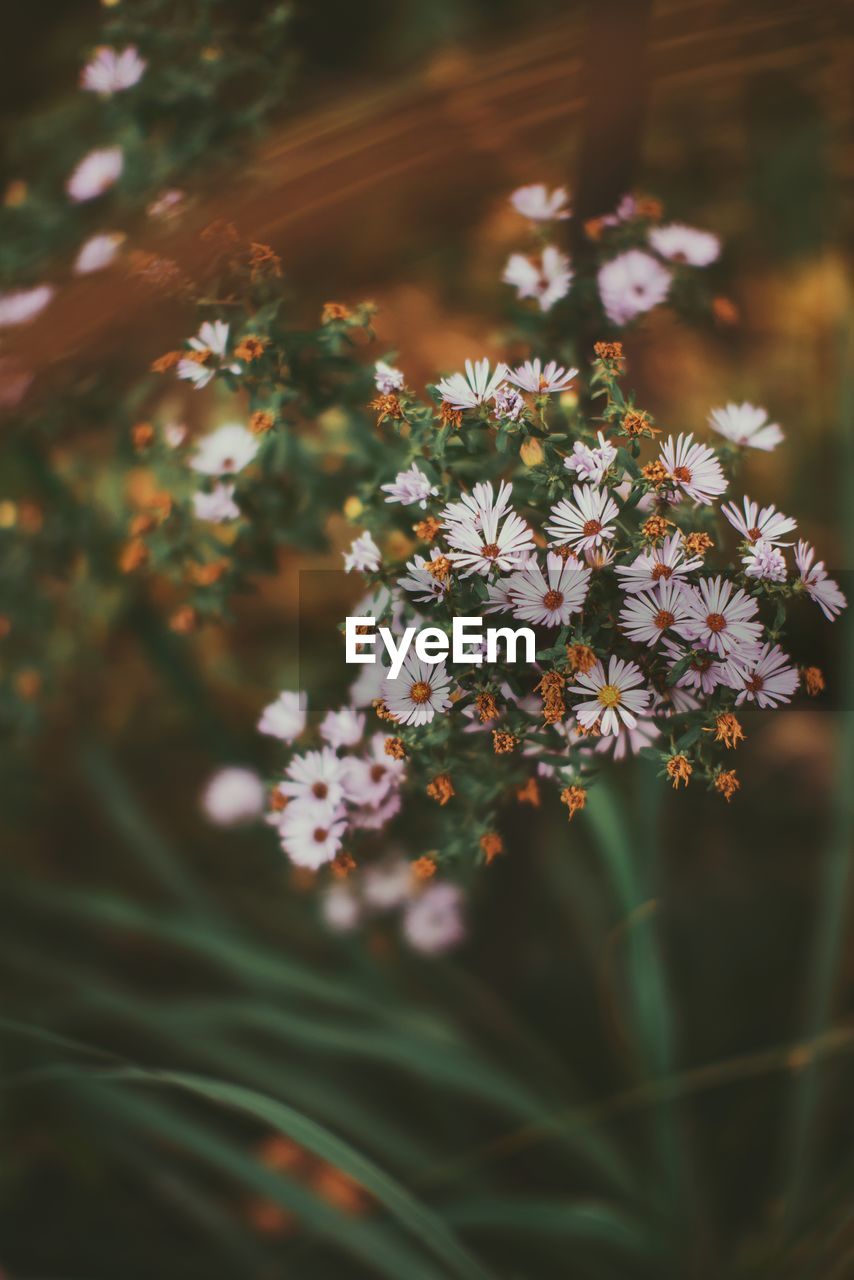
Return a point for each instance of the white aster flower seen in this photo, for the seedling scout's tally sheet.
(531, 376)
(632, 283)
(703, 673)
(210, 344)
(411, 487)
(585, 523)
(767, 680)
(548, 281)
(507, 403)
(613, 699)
(539, 204)
(387, 379)
(311, 833)
(720, 621)
(95, 174)
(98, 252)
(747, 425)
(628, 742)
(590, 464)
(233, 795)
(225, 451)
(341, 908)
(285, 718)
(418, 692)
(377, 773)
(765, 562)
(426, 587)
(433, 921)
(484, 533)
(679, 243)
(694, 467)
(475, 386)
(342, 728)
(109, 71)
(659, 564)
(755, 525)
(318, 775)
(552, 598)
(387, 884)
(20, 306)
(648, 614)
(218, 506)
(363, 556)
(819, 587)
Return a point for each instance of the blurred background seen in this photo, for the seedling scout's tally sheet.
(639, 1061)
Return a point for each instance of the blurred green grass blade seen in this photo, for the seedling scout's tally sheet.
(576, 1221)
(424, 1224)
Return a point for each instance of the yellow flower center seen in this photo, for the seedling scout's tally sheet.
(609, 695)
(420, 691)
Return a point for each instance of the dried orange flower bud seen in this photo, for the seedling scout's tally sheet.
(491, 844)
(487, 707)
(264, 261)
(609, 352)
(278, 801)
(637, 423)
(250, 348)
(593, 229)
(395, 748)
(387, 407)
(655, 473)
(183, 620)
(678, 769)
(727, 783)
(725, 311)
(441, 789)
(728, 730)
(133, 555)
(166, 362)
(334, 311)
(427, 529)
(342, 864)
(550, 689)
(382, 711)
(529, 793)
(449, 417)
(503, 743)
(655, 528)
(261, 421)
(440, 568)
(581, 657)
(813, 680)
(142, 435)
(649, 207)
(575, 798)
(697, 544)
(424, 868)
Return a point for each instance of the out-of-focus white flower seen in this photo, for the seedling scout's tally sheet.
(387, 884)
(317, 775)
(95, 174)
(363, 556)
(539, 204)
(746, 425)
(548, 280)
(552, 598)
(694, 467)
(98, 252)
(767, 680)
(20, 306)
(342, 728)
(720, 621)
(475, 386)
(484, 533)
(632, 283)
(218, 506)
(411, 487)
(225, 451)
(590, 464)
(679, 243)
(659, 564)
(109, 71)
(507, 403)
(167, 205)
(341, 908)
(646, 615)
(210, 345)
(819, 587)
(233, 795)
(311, 833)
(418, 692)
(628, 742)
(372, 777)
(765, 562)
(586, 522)
(175, 434)
(755, 525)
(387, 379)
(614, 699)
(285, 718)
(531, 376)
(433, 921)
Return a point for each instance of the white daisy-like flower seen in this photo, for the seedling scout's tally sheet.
(433, 921)
(317, 775)
(484, 533)
(819, 587)
(591, 463)
(218, 506)
(632, 283)
(599, 557)
(375, 775)
(648, 614)
(311, 833)
(175, 434)
(665, 563)
(475, 386)
(233, 795)
(765, 562)
(95, 174)
(20, 306)
(225, 451)
(614, 699)
(98, 252)
(531, 376)
(387, 379)
(210, 345)
(410, 487)
(539, 204)
(694, 467)
(507, 403)
(755, 525)
(767, 680)
(548, 281)
(109, 71)
(342, 728)
(679, 243)
(418, 692)
(387, 884)
(703, 672)
(628, 742)
(340, 908)
(363, 556)
(426, 587)
(551, 598)
(285, 718)
(720, 621)
(746, 425)
(585, 523)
